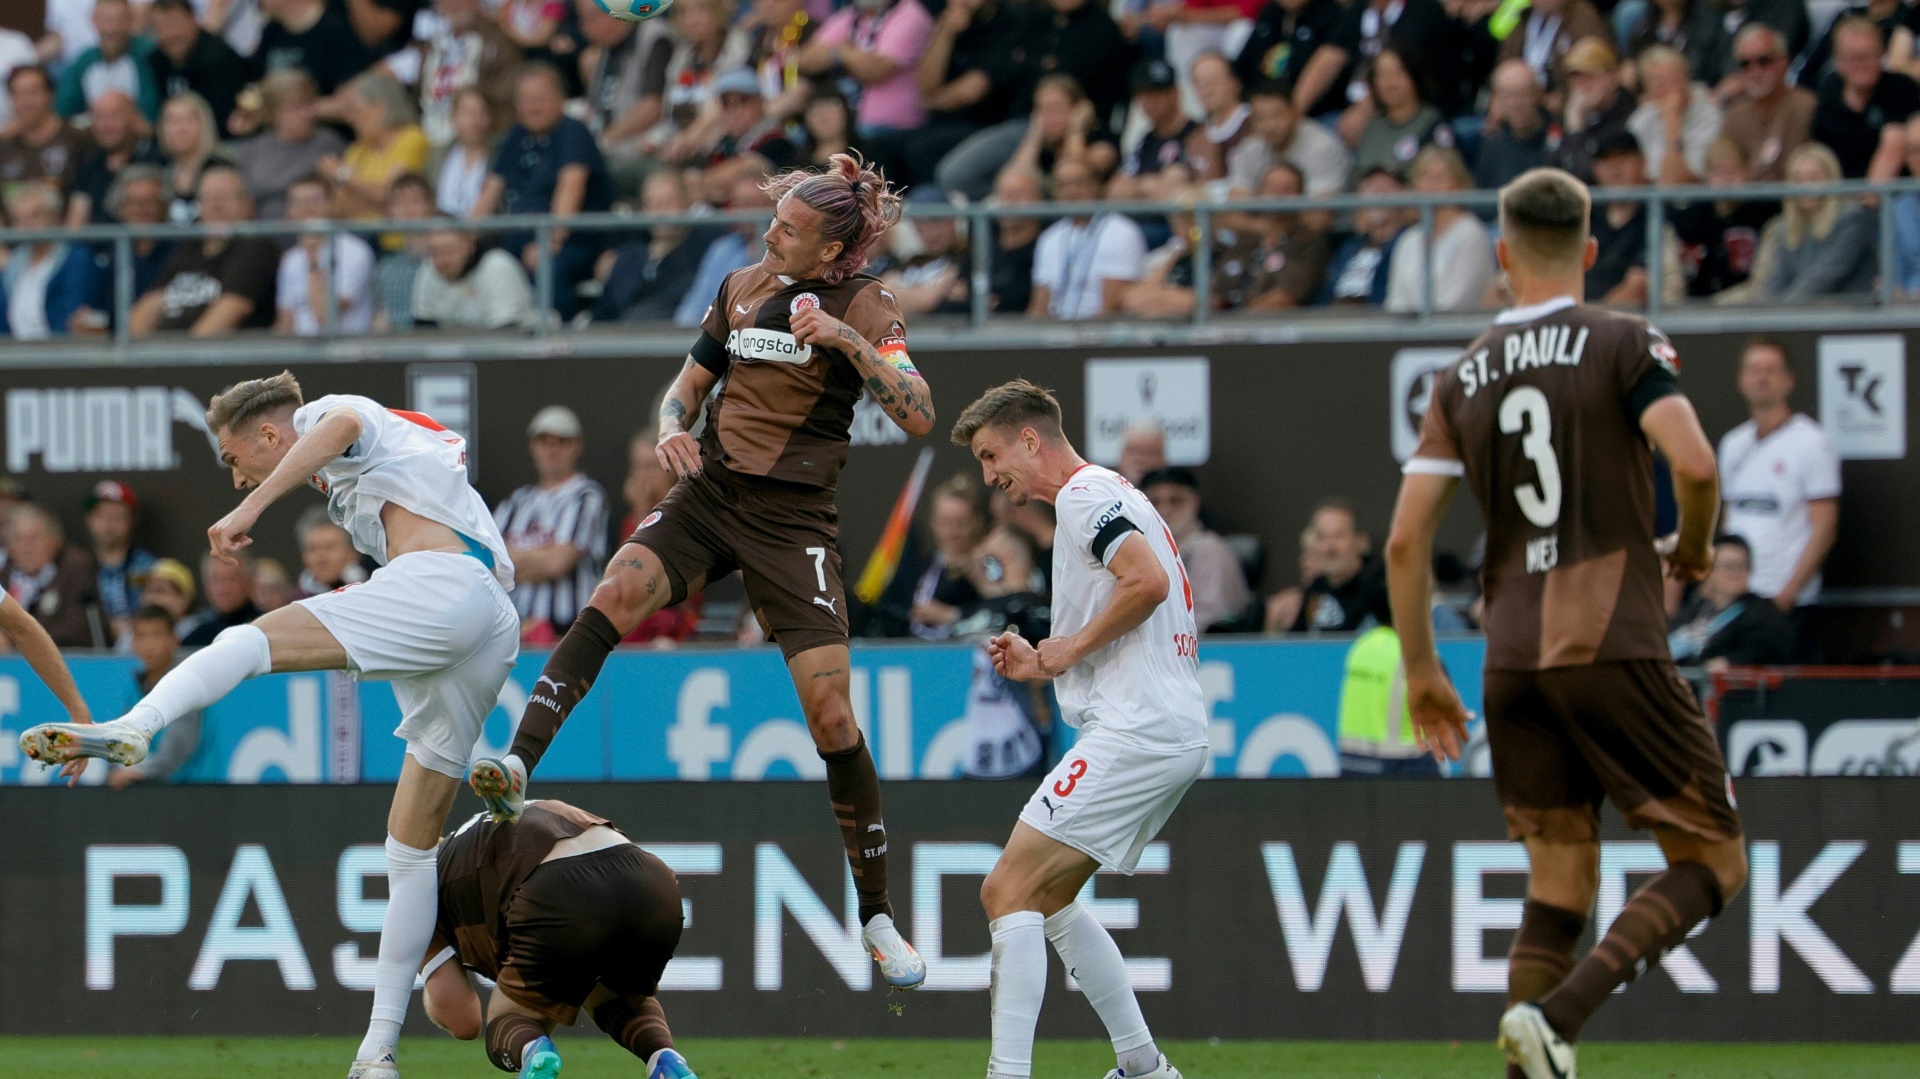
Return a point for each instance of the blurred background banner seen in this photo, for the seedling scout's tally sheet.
(1268, 909)
(708, 714)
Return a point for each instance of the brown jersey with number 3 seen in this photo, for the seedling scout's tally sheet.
(1541, 414)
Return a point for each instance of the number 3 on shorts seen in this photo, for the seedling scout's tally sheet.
(819, 556)
(1064, 787)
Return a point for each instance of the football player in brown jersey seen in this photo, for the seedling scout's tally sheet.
(786, 350)
(1552, 417)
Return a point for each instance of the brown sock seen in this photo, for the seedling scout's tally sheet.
(1541, 955)
(853, 787)
(1658, 917)
(507, 1035)
(639, 1024)
(569, 673)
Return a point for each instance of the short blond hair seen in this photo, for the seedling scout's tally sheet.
(1017, 404)
(255, 397)
(1544, 217)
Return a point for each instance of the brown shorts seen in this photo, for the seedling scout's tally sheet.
(610, 917)
(783, 538)
(1630, 731)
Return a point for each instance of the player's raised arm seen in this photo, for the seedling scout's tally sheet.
(336, 432)
(30, 638)
(892, 379)
(1675, 431)
(679, 451)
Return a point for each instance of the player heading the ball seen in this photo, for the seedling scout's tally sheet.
(1124, 662)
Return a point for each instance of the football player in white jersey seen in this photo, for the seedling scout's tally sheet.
(1124, 663)
(435, 620)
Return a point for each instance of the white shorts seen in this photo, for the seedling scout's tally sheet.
(1108, 798)
(442, 630)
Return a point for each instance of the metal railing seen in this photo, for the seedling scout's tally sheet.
(981, 328)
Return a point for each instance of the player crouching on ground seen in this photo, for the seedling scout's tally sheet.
(1124, 660)
(561, 912)
(1552, 417)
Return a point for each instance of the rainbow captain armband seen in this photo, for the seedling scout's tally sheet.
(893, 349)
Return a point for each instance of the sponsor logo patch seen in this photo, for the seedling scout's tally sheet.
(776, 345)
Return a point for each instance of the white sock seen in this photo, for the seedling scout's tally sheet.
(204, 677)
(1094, 959)
(413, 901)
(1019, 982)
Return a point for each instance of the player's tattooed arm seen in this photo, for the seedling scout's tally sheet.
(904, 396)
(676, 449)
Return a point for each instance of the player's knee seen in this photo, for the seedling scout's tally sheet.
(626, 596)
(830, 718)
(1002, 894)
(1729, 864)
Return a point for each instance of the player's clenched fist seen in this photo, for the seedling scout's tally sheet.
(679, 453)
(230, 533)
(813, 326)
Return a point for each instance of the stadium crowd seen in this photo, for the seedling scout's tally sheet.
(218, 111)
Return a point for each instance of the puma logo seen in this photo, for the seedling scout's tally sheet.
(1051, 808)
(876, 827)
(827, 602)
(739, 309)
(557, 686)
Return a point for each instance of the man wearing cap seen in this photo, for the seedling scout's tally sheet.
(168, 584)
(1547, 35)
(555, 528)
(1156, 94)
(744, 125)
(1597, 105)
(1619, 275)
(1218, 580)
(110, 507)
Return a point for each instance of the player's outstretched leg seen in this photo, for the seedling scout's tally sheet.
(639, 1024)
(502, 782)
(202, 678)
(853, 790)
(1088, 950)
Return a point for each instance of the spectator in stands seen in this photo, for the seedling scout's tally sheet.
(53, 580)
(1826, 245)
(16, 50)
(1619, 274)
(1358, 272)
(555, 528)
(1065, 127)
(119, 62)
(973, 67)
(68, 31)
(1143, 450)
(646, 279)
(828, 123)
(625, 69)
(1514, 134)
(318, 38)
(1156, 97)
(229, 588)
(192, 147)
(409, 199)
(327, 558)
(1166, 285)
(1720, 239)
(1335, 80)
(937, 275)
(1218, 581)
(1789, 17)
(548, 164)
(1597, 105)
(138, 197)
(1906, 220)
(220, 283)
(1724, 622)
(1771, 119)
(1226, 120)
(463, 169)
(1461, 249)
(1079, 38)
(110, 509)
(1888, 16)
(153, 642)
(748, 137)
(466, 51)
(1545, 38)
(1350, 593)
(168, 584)
(118, 142)
(705, 44)
(462, 288)
(45, 282)
(1693, 29)
(40, 145)
(1676, 121)
(237, 22)
(1404, 119)
(1283, 39)
(1861, 107)
(1279, 132)
(874, 45)
(387, 144)
(185, 57)
(1014, 240)
(272, 587)
(293, 145)
(738, 246)
(1780, 481)
(318, 261)
(943, 588)
(1280, 260)
(1083, 264)
(532, 23)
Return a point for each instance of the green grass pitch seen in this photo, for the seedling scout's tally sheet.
(590, 1057)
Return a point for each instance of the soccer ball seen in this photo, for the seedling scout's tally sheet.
(634, 10)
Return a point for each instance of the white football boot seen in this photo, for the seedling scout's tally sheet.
(502, 784)
(384, 1066)
(58, 743)
(1533, 1044)
(1166, 1070)
(900, 966)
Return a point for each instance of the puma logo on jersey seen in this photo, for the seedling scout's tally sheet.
(739, 309)
(828, 602)
(876, 827)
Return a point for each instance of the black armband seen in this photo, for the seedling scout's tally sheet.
(1110, 533)
(709, 354)
(1658, 382)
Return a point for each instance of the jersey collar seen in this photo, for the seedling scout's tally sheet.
(1514, 316)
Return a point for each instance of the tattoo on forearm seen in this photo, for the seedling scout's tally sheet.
(673, 409)
(904, 396)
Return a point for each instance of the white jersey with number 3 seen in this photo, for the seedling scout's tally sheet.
(409, 460)
(1145, 686)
